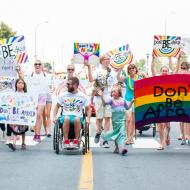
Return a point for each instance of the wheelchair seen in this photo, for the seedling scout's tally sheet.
(84, 140)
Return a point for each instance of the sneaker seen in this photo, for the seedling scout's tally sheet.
(66, 143)
(124, 151)
(97, 138)
(75, 143)
(183, 142)
(48, 135)
(105, 144)
(37, 138)
(12, 146)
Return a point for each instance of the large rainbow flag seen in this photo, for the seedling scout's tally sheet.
(162, 99)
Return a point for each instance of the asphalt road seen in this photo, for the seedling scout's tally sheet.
(144, 167)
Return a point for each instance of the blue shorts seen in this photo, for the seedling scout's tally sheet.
(71, 117)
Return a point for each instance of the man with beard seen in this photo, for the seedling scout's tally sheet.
(72, 103)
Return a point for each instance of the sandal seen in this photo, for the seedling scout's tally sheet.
(128, 142)
(23, 147)
(167, 141)
(160, 148)
(116, 151)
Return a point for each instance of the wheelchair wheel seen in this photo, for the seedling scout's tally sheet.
(57, 137)
(54, 137)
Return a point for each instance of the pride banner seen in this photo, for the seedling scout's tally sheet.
(86, 51)
(120, 56)
(166, 46)
(162, 99)
(12, 52)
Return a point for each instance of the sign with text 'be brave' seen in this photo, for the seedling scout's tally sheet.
(162, 99)
(166, 46)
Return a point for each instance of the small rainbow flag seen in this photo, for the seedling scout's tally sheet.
(162, 99)
(166, 46)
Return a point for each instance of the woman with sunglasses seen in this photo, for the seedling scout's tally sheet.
(183, 68)
(38, 83)
(132, 76)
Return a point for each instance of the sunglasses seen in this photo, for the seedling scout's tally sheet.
(130, 68)
(69, 84)
(184, 68)
(70, 69)
(37, 64)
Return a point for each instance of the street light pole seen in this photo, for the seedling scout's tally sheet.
(35, 38)
(147, 58)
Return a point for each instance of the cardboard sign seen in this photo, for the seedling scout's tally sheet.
(120, 56)
(12, 51)
(86, 51)
(162, 99)
(166, 46)
(18, 108)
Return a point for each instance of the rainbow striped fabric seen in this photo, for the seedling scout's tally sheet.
(162, 99)
(166, 46)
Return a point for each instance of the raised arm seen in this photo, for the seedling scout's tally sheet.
(153, 69)
(86, 63)
(119, 77)
(178, 63)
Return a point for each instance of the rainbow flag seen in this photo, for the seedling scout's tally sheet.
(166, 46)
(162, 99)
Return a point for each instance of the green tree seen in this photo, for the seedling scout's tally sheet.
(6, 31)
(48, 66)
(141, 65)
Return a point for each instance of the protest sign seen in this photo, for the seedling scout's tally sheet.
(162, 99)
(18, 108)
(86, 51)
(120, 56)
(12, 52)
(166, 46)
(6, 83)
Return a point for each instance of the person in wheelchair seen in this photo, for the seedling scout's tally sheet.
(72, 103)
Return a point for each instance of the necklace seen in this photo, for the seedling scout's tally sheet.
(129, 82)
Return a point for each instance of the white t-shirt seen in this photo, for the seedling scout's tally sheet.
(72, 104)
(38, 83)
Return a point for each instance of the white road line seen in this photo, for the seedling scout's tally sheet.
(146, 143)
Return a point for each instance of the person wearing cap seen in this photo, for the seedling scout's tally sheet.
(103, 79)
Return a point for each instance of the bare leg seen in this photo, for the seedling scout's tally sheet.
(48, 118)
(77, 127)
(132, 132)
(161, 133)
(116, 151)
(23, 138)
(66, 127)
(107, 124)
(99, 125)
(128, 126)
(40, 110)
(44, 120)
